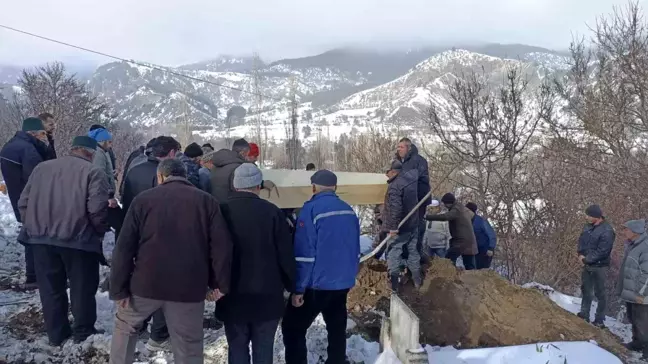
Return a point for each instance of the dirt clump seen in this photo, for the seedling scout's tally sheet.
(26, 323)
(372, 290)
(471, 309)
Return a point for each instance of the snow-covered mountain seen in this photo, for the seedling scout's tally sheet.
(338, 89)
(404, 101)
(147, 97)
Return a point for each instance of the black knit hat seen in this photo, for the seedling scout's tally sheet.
(472, 206)
(193, 150)
(32, 124)
(84, 141)
(594, 211)
(448, 199)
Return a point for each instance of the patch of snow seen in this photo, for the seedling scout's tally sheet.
(542, 353)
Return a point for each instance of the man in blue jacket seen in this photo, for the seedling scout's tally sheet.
(327, 251)
(486, 238)
(18, 158)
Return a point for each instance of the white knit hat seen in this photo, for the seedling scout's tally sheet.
(435, 203)
(247, 175)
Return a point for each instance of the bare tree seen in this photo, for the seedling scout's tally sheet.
(50, 89)
(464, 129)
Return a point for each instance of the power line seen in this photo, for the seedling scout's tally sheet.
(150, 65)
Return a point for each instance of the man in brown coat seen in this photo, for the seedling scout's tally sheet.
(174, 244)
(64, 209)
(463, 242)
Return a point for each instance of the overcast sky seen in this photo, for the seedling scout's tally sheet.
(173, 32)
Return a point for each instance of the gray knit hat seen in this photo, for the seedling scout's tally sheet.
(247, 175)
(636, 226)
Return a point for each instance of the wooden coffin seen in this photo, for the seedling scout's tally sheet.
(295, 188)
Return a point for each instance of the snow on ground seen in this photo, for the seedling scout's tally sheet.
(22, 338)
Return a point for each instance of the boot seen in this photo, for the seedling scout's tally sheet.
(581, 315)
(599, 323)
(416, 277)
(634, 346)
(394, 279)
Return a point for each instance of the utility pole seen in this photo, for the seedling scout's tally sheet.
(259, 102)
(294, 135)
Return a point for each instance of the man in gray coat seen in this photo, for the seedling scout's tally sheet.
(594, 248)
(633, 283)
(437, 233)
(64, 208)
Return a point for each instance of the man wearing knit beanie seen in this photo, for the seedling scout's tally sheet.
(594, 248)
(263, 267)
(253, 154)
(18, 158)
(102, 159)
(463, 242)
(191, 160)
(631, 286)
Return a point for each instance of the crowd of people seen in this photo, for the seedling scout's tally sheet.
(190, 227)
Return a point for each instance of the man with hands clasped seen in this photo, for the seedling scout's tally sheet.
(594, 248)
(173, 245)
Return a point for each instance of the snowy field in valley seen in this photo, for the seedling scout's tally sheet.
(22, 337)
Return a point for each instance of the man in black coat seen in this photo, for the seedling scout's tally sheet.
(137, 157)
(262, 268)
(400, 199)
(50, 125)
(18, 159)
(141, 178)
(594, 248)
(407, 153)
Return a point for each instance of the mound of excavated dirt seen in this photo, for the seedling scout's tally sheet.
(478, 309)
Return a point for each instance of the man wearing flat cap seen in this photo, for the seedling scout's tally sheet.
(594, 248)
(64, 208)
(18, 159)
(327, 253)
(401, 198)
(633, 280)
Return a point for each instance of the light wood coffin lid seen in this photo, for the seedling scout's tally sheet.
(354, 188)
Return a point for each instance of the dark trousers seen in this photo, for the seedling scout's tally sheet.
(116, 219)
(483, 261)
(593, 284)
(332, 306)
(159, 329)
(30, 271)
(54, 266)
(468, 260)
(638, 317)
(419, 242)
(260, 334)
